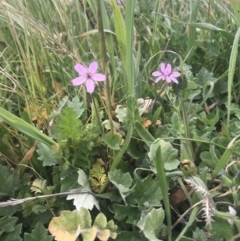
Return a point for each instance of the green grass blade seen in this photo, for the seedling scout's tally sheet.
(25, 127)
(192, 29)
(164, 187)
(129, 46)
(120, 31)
(225, 157)
(231, 70)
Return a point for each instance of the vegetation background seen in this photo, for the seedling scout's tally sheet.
(133, 159)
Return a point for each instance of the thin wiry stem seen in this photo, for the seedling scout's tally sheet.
(13, 202)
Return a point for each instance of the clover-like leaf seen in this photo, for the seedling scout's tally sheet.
(45, 156)
(151, 222)
(169, 154)
(70, 224)
(122, 181)
(76, 105)
(100, 221)
(112, 141)
(146, 192)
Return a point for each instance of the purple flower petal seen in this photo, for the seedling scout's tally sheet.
(90, 85)
(174, 80)
(88, 76)
(168, 69)
(93, 68)
(168, 79)
(156, 73)
(98, 77)
(160, 78)
(80, 69)
(175, 74)
(162, 68)
(166, 74)
(79, 80)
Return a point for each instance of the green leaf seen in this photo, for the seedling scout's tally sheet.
(208, 159)
(210, 119)
(236, 8)
(122, 212)
(7, 224)
(121, 181)
(70, 224)
(8, 182)
(130, 236)
(120, 31)
(168, 155)
(219, 229)
(9, 210)
(146, 192)
(143, 133)
(199, 235)
(112, 141)
(76, 105)
(25, 127)
(151, 222)
(83, 200)
(38, 233)
(67, 125)
(121, 113)
(68, 181)
(15, 235)
(45, 156)
(101, 221)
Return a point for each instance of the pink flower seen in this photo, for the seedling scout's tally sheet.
(88, 76)
(166, 74)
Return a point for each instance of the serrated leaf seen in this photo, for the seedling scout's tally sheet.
(83, 200)
(67, 125)
(69, 181)
(100, 221)
(15, 235)
(91, 235)
(58, 111)
(7, 224)
(146, 192)
(111, 225)
(199, 235)
(103, 235)
(132, 213)
(76, 105)
(122, 181)
(151, 222)
(168, 155)
(8, 181)
(38, 233)
(98, 177)
(83, 179)
(70, 224)
(45, 156)
(38, 185)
